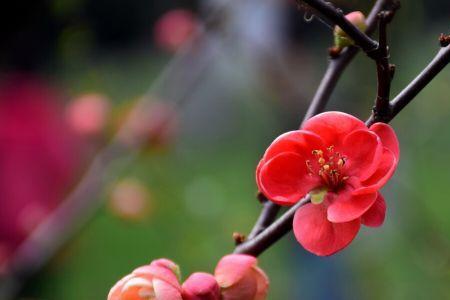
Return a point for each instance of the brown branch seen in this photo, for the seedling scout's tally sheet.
(438, 63)
(336, 67)
(385, 71)
(272, 234)
(268, 214)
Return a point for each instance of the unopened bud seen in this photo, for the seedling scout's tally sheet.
(341, 39)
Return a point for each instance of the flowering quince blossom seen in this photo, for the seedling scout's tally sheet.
(239, 277)
(342, 164)
(156, 281)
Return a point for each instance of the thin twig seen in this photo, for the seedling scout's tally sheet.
(271, 234)
(335, 15)
(336, 67)
(268, 214)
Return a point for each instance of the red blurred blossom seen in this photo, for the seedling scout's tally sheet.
(201, 286)
(158, 281)
(88, 114)
(239, 277)
(174, 29)
(39, 157)
(342, 164)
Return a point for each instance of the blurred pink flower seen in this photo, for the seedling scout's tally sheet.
(87, 114)
(201, 286)
(239, 277)
(158, 281)
(38, 157)
(129, 200)
(174, 29)
(155, 125)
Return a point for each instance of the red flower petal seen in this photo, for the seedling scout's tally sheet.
(285, 180)
(374, 217)
(384, 172)
(347, 207)
(298, 141)
(318, 235)
(333, 126)
(363, 149)
(388, 137)
(258, 171)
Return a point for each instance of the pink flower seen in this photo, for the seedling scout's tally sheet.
(158, 281)
(174, 29)
(88, 114)
(201, 286)
(342, 164)
(239, 277)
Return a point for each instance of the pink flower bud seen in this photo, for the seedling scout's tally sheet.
(341, 39)
(239, 277)
(201, 286)
(155, 281)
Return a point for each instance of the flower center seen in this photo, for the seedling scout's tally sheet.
(329, 166)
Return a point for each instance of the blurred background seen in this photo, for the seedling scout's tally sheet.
(130, 130)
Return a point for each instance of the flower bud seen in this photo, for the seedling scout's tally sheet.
(239, 277)
(341, 39)
(201, 286)
(155, 281)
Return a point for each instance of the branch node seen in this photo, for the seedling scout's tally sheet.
(334, 52)
(444, 40)
(238, 238)
(261, 198)
(392, 68)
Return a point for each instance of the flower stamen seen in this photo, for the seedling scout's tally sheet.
(328, 167)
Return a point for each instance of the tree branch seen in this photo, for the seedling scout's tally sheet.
(268, 214)
(438, 63)
(336, 67)
(385, 71)
(384, 77)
